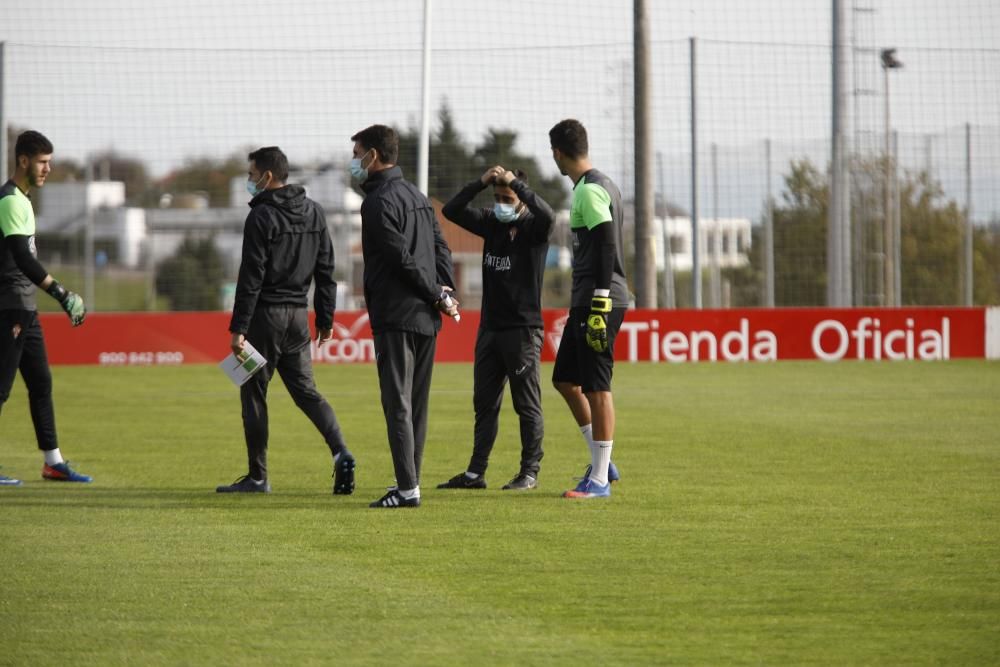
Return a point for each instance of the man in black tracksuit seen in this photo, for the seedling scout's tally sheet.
(407, 270)
(515, 235)
(286, 245)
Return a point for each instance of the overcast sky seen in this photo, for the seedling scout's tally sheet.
(165, 80)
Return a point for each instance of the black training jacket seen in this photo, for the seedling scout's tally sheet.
(286, 245)
(406, 258)
(513, 255)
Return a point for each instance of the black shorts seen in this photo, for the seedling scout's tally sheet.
(576, 362)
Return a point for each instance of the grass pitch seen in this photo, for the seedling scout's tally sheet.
(781, 513)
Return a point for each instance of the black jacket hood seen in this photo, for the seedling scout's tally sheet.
(292, 198)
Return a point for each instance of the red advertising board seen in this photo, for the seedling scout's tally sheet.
(659, 336)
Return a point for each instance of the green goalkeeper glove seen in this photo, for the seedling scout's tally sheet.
(597, 323)
(70, 302)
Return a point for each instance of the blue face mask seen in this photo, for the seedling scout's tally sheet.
(505, 212)
(254, 188)
(358, 172)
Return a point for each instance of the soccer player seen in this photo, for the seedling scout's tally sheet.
(22, 346)
(515, 235)
(407, 280)
(286, 246)
(585, 360)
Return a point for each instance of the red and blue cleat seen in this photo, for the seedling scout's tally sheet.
(61, 472)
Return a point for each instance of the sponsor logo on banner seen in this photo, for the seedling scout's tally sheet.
(350, 344)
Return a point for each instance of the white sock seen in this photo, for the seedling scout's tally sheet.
(52, 456)
(410, 493)
(600, 459)
(588, 435)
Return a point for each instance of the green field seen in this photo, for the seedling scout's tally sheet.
(783, 513)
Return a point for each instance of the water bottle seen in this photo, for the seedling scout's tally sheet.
(448, 303)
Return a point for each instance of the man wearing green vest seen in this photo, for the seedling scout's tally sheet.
(585, 360)
(21, 344)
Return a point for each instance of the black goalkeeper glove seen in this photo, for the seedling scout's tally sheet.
(70, 302)
(597, 323)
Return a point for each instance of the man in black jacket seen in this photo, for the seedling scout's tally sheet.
(515, 235)
(407, 277)
(286, 245)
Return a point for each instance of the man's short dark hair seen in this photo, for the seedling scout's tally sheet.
(570, 137)
(272, 159)
(383, 139)
(32, 143)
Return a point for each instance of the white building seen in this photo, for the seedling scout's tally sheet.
(140, 238)
(68, 208)
(730, 238)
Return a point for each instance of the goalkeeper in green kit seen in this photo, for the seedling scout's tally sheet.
(584, 363)
(22, 346)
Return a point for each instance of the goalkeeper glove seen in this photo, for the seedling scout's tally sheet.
(70, 302)
(597, 323)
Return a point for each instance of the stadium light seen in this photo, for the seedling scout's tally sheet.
(890, 250)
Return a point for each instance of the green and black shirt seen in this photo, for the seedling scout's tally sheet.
(596, 201)
(17, 218)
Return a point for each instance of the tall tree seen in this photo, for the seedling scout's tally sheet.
(448, 160)
(800, 238)
(453, 163)
(986, 245)
(931, 232)
(191, 279)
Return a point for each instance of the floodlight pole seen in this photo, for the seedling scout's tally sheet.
(669, 299)
(424, 149)
(897, 232)
(714, 236)
(890, 251)
(695, 262)
(967, 293)
(645, 262)
(768, 231)
(838, 235)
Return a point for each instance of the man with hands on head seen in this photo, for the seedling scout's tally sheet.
(286, 246)
(515, 235)
(22, 346)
